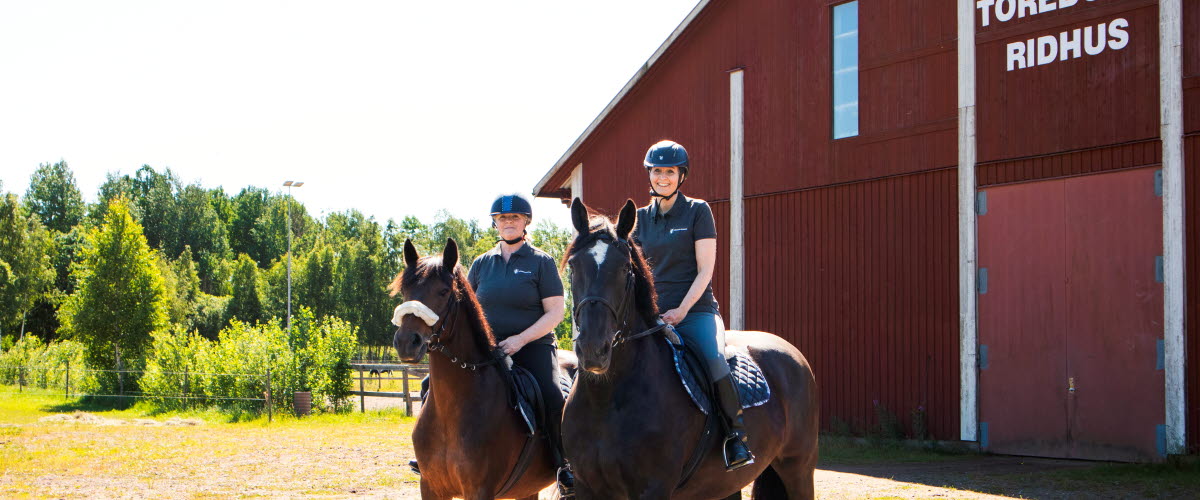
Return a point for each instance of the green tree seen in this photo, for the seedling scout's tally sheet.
(360, 290)
(313, 287)
(246, 303)
(120, 300)
(26, 269)
(54, 198)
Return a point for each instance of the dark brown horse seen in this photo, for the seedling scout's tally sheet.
(629, 428)
(468, 439)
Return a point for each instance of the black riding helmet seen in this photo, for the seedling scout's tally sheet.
(667, 153)
(512, 204)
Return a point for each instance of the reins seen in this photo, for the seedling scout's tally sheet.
(436, 345)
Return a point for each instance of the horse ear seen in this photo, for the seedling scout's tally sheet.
(410, 254)
(626, 220)
(450, 255)
(579, 216)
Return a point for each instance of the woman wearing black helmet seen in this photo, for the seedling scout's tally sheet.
(522, 296)
(678, 236)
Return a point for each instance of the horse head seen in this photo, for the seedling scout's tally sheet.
(610, 284)
(431, 286)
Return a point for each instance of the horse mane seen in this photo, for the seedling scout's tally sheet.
(600, 226)
(429, 267)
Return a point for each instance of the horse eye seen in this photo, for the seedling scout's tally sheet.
(444, 292)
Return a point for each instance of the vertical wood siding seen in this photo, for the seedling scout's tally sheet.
(1191, 180)
(858, 277)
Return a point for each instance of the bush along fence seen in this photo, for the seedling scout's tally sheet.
(248, 367)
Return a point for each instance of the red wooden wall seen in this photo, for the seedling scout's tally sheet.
(823, 216)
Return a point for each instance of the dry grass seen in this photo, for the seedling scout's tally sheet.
(328, 455)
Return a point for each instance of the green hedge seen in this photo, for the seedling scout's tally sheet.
(316, 357)
(45, 365)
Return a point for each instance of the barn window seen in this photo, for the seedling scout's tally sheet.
(845, 70)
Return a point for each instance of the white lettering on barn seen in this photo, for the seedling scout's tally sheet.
(1051, 48)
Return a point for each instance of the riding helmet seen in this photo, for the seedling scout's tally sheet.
(514, 203)
(667, 154)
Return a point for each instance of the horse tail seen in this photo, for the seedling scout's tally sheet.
(769, 486)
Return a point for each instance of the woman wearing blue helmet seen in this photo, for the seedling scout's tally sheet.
(522, 296)
(679, 238)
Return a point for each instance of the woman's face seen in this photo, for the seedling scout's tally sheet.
(664, 180)
(511, 226)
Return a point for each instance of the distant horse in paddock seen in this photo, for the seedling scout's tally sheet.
(629, 427)
(469, 441)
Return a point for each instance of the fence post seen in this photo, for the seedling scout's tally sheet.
(67, 393)
(187, 403)
(268, 395)
(407, 395)
(362, 399)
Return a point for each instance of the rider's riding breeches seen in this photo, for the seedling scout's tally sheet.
(705, 332)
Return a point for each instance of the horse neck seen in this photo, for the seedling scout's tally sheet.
(468, 346)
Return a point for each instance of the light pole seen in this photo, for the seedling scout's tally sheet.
(288, 209)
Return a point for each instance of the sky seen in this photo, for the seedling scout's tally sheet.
(393, 108)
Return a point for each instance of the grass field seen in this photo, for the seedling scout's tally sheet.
(202, 454)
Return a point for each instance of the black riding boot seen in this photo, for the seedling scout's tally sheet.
(737, 453)
(566, 479)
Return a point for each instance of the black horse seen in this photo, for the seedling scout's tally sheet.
(629, 427)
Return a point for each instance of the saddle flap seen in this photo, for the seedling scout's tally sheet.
(528, 404)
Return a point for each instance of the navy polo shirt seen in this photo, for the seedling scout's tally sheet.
(511, 292)
(669, 242)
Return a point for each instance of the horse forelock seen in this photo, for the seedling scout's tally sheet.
(432, 267)
(601, 229)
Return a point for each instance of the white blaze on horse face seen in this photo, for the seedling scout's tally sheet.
(598, 251)
(415, 308)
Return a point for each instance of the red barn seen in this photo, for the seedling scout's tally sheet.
(969, 217)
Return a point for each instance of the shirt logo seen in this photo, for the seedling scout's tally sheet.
(518, 271)
(678, 229)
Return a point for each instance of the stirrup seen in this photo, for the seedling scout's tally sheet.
(412, 465)
(732, 440)
(565, 491)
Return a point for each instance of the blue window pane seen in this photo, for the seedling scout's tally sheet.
(845, 70)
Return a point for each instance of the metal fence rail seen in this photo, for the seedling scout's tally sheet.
(22, 383)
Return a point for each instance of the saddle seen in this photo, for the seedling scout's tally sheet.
(747, 375)
(752, 386)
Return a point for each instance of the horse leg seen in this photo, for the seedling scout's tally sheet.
(786, 479)
(427, 492)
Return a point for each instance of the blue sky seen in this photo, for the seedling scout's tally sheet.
(393, 107)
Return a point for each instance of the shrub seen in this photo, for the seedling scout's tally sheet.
(316, 357)
(44, 365)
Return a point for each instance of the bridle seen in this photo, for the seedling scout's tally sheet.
(436, 345)
(619, 312)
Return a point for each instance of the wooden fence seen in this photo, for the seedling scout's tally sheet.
(409, 375)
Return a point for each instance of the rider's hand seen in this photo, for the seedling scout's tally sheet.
(674, 316)
(512, 344)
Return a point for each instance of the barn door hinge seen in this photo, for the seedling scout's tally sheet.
(981, 281)
(1160, 439)
(1158, 269)
(983, 436)
(1158, 186)
(981, 203)
(1160, 361)
(983, 357)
